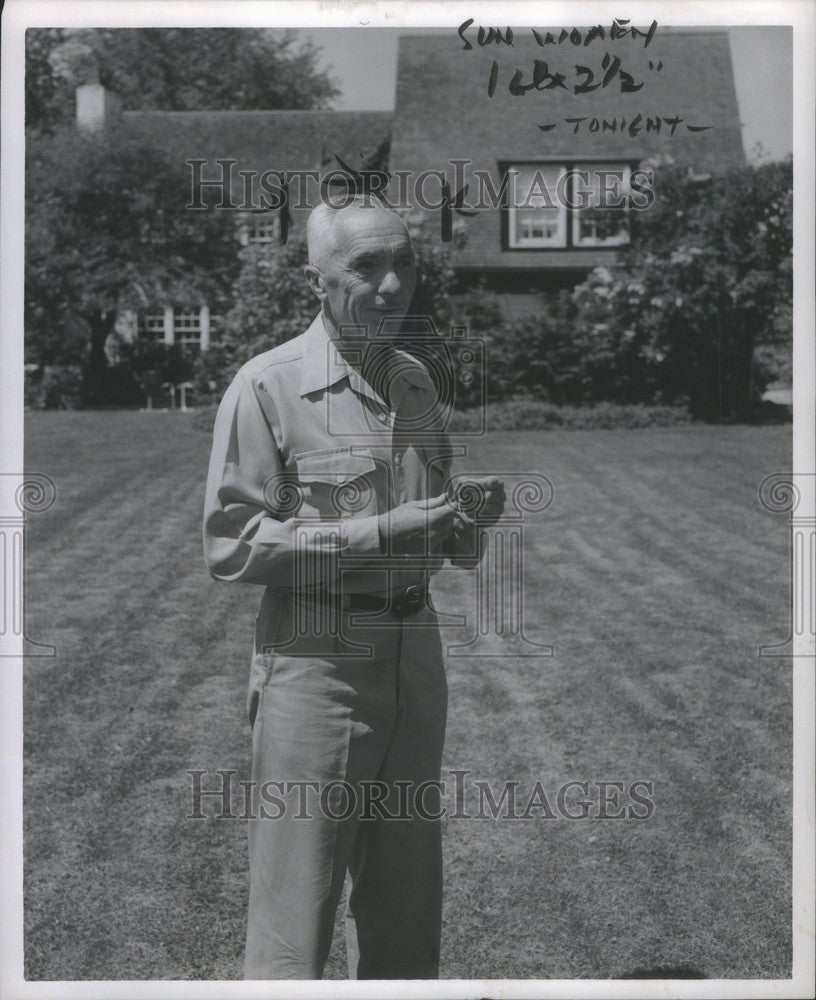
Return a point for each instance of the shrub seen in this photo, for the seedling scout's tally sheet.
(54, 387)
(689, 313)
(534, 415)
(706, 281)
(773, 365)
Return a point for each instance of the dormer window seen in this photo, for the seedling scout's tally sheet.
(604, 187)
(567, 205)
(536, 217)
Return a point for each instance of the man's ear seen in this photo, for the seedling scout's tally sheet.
(316, 281)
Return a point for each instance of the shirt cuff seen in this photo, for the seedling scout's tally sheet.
(361, 536)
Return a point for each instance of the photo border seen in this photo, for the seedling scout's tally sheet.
(20, 14)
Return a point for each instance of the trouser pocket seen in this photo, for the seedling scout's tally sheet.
(259, 674)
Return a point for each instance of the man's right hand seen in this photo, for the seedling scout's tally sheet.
(416, 528)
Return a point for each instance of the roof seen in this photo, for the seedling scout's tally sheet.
(443, 112)
(277, 140)
(266, 140)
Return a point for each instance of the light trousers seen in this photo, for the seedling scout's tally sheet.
(332, 710)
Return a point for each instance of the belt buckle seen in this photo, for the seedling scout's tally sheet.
(410, 601)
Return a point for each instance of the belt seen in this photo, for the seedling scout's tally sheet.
(403, 604)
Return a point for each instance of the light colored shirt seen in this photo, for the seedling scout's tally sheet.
(306, 455)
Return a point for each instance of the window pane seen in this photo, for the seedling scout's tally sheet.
(262, 229)
(153, 325)
(187, 329)
(602, 224)
(537, 219)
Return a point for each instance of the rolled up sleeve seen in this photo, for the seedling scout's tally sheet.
(251, 533)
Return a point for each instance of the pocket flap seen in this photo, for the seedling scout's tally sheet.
(334, 466)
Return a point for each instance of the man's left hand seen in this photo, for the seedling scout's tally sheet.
(480, 500)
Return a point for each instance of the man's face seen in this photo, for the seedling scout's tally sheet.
(369, 276)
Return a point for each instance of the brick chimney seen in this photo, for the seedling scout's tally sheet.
(94, 103)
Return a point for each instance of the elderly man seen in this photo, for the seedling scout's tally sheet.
(329, 485)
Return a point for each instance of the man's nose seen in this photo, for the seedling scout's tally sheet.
(390, 283)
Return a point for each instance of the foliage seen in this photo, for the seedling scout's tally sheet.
(436, 267)
(173, 69)
(532, 415)
(146, 368)
(679, 317)
(108, 231)
(47, 98)
(773, 364)
(53, 387)
(708, 280)
(272, 304)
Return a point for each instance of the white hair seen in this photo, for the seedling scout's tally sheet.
(320, 240)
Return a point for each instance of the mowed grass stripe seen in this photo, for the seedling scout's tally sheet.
(120, 752)
(644, 574)
(606, 697)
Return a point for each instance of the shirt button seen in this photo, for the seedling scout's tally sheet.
(341, 479)
(382, 417)
(397, 459)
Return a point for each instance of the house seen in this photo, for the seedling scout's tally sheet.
(491, 112)
(443, 112)
(256, 141)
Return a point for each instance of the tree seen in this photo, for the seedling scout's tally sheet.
(106, 231)
(714, 259)
(47, 99)
(174, 69)
(271, 303)
(680, 314)
(106, 226)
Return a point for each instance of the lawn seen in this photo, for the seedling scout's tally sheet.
(655, 574)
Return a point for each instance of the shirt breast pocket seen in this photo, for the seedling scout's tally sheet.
(337, 483)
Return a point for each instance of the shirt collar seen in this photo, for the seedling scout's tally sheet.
(324, 366)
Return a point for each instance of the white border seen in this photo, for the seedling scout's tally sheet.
(19, 14)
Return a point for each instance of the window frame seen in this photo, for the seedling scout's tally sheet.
(580, 242)
(186, 328)
(185, 324)
(559, 242)
(152, 324)
(249, 223)
(568, 163)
